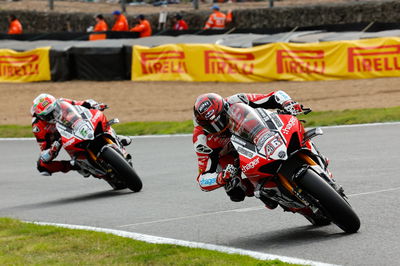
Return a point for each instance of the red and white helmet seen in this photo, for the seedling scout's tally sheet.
(209, 112)
(43, 107)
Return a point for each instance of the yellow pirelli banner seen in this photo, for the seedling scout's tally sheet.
(200, 62)
(367, 58)
(26, 66)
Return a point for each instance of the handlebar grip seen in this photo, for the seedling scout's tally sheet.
(307, 110)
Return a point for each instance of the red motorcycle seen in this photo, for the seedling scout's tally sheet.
(94, 147)
(278, 157)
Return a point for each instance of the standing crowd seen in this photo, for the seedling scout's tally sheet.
(216, 21)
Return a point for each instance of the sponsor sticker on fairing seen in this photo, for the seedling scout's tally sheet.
(251, 165)
(289, 125)
(94, 119)
(275, 143)
(69, 142)
(245, 152)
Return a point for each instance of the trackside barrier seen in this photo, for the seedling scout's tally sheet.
(27, 66)
(368, 58)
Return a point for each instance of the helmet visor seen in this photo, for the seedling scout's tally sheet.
(49, 117)
(216, 125)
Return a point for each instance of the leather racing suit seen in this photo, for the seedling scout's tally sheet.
(215, 151)
(49, 141)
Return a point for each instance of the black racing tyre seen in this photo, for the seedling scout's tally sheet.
(336, 207)
(122, 169)
(317, 221)
(117, 185)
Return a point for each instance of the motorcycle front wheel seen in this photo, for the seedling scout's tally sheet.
(122, 169)
(336, 207)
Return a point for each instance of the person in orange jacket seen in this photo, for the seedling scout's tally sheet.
(101, 24)
(217, 20)
(144, 27)
(179, 23)
(121, 24)
(15, 26)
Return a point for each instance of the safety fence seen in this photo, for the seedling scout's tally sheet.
(369, 58)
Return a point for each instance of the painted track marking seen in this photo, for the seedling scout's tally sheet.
(171, 241)
(255, 208)
(374, 192)
(193, 216)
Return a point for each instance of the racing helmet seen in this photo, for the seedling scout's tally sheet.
(43, 107)
(210, 112)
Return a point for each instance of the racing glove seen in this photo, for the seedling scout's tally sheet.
(228, 173)
(51, 153)
(92, 104)
(292, 107)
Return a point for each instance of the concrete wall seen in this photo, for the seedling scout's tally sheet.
(359, 11)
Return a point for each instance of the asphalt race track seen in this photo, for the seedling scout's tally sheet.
(364, 159)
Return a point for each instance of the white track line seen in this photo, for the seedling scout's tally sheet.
(255, 208)
(374, 192)
(194, 216)
(188, 135)
(171, 241)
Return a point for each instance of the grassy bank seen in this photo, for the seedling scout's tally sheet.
(29, 244)
(346, 117)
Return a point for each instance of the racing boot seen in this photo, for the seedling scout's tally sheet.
(269, 203)
(81, 171)
(125, 141)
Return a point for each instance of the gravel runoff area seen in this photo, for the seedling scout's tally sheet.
(173, 101)
(107, 6)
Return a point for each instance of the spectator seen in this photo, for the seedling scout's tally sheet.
(179, 23)
(101, 24)
(143, 27)
(120, 24)
(217, 20)
(15, 26)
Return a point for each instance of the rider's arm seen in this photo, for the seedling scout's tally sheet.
(40, 133)
(48, 141)
(207, 162)
(89, 103)
(272, 100)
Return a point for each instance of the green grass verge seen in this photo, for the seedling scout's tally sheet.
(29, 244)
(327, 118)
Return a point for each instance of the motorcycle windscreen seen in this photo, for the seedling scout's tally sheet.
(245, 122)
(66, 114)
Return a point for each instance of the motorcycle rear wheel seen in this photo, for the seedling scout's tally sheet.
(122, 169)
(336, 207)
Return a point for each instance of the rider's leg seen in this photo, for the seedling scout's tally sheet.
(47, 169)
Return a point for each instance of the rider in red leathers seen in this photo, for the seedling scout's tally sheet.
(217, 159)
(47, 136)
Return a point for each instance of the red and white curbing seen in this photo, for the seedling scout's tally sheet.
(171, 241)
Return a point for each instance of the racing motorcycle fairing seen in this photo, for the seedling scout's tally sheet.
(274, 150)
(84, 133)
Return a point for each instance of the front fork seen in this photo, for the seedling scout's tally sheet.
(116, 146)
(295, 191)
